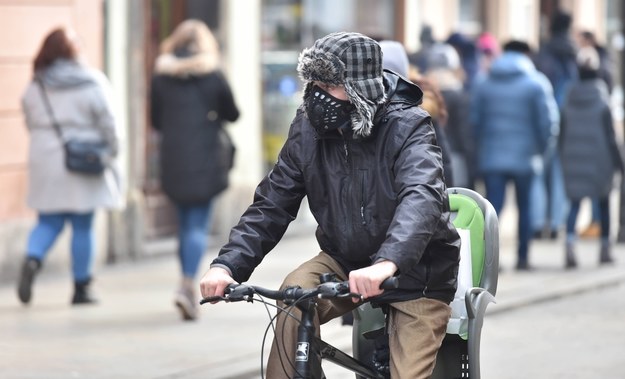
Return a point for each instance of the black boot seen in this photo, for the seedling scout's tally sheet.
(605, 256)
(82, 294)
(27, 277)
(570, 259)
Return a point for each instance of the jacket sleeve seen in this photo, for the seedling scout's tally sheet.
(475, 114)
(615, 151)
(155, 105)
(547, 114)
(276, 202)
(421, 197)
(227, 107)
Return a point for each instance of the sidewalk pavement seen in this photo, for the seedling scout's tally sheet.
(135, 331)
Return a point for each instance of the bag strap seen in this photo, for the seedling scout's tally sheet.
(46, 102)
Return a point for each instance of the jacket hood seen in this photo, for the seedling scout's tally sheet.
(183, 66)
(395, 57)
(400, 90)
(446, 79)
(66, 73)
(511, 64)
(588, 91)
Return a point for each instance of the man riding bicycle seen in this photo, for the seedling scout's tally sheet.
(366, 157)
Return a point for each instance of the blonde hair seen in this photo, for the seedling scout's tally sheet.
(192, 35)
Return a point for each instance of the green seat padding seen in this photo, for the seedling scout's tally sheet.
(468, 215)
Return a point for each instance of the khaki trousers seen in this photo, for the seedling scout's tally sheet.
(416, 327)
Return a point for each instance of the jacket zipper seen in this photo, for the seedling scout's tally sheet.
(348, 221)
(427, 278)
(362, 199)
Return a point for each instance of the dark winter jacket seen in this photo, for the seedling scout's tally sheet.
(590, 156)
(556, 59)
(379, 197)
(190, 99)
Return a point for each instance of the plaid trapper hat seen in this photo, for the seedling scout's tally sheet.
(353, 60)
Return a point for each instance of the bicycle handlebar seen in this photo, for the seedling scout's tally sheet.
(327, 290)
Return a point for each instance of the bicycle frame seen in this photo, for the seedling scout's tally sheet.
(308, 363)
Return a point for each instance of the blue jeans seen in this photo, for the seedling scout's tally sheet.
(603, 205)
(47, 230)
(596, 212)
(193, 222)
(496, 194)
(549, 200)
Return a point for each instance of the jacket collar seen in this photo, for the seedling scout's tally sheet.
(185, 66)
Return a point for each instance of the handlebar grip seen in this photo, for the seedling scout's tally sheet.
(229, 288)
(210, 299)
(390, 283)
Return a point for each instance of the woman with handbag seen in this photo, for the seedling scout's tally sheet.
(67, 103)
(190, 100)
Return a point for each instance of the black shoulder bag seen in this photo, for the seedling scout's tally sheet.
(84, 157)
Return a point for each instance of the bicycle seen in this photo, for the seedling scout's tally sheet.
(310, 349)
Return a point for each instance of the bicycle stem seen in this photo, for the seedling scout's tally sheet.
(307, 360)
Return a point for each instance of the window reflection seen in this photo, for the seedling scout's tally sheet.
(287, 27)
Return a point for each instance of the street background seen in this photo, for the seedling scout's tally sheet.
(135, 332)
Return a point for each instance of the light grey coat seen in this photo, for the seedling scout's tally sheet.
(80, 99)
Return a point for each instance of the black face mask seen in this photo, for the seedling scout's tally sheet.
(325, 112)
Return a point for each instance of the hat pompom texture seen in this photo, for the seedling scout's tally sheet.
(353, 60)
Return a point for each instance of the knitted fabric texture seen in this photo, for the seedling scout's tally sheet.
(353, 60)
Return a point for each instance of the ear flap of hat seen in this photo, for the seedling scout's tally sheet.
(316, 65)
(358, 92)
(353, 60)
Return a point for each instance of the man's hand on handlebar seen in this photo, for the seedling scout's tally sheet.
(366, 281)
(214, 282)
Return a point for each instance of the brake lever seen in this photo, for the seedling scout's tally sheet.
(351, 295)
(232, 292)
(211, 299)
(239, 292)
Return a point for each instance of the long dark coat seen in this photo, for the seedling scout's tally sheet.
(190, 100)
(590, 155)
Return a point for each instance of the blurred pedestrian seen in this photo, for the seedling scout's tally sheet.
(190, 100)
(469, 56)
(419, 59)
(434, 104)
(488, 49)
(514, 115)
(590, 154)
(556, 59)
(79, 100)
(606, 64)
(396, 60)
(447, 74)
(606, 69)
